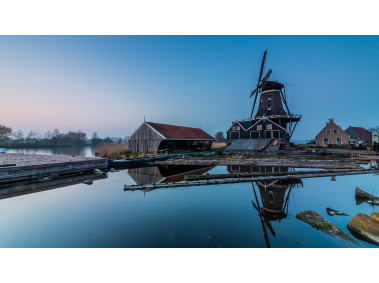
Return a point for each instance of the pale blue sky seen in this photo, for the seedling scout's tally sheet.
(109, 83)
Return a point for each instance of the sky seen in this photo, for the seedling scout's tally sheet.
(109, 84)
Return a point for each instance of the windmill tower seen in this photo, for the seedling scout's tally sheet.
(273, 121)
(272, 98)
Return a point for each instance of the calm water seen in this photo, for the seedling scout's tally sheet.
(219, 216)
(70, 151)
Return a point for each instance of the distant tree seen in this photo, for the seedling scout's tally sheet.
(55, 137)
(32, 137)
(313, 141)
(119, 139)
(220, 136)
(373, 129)
(95, 139)
(125, 139)
(107, 140)
(18, 136)
(5, 133)
(48, 135)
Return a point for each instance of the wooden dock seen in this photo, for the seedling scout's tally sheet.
(33, 172)
(288, 176)
(14, 189)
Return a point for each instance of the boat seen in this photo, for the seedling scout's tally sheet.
(321, 152)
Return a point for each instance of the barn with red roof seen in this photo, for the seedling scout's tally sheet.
(359, 133)
(152, 137)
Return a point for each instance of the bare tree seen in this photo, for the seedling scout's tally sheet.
(220, 136)
(95, 139)
(18, 136)
(48, 135)
(373, 129)
(5, 133)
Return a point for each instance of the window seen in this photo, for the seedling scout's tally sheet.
(234, 128)
(268, 107)
(328, 131)
(271, 193)
(269, 97)
(326, 141)
(269, 127)
(335, 131)
(238, 128)
(339, 141)
(259, 127)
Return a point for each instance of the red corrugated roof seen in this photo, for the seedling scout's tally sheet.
(362, 131)
(179, 132)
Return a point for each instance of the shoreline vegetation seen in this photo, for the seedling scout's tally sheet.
(10, 138)
(116, 151)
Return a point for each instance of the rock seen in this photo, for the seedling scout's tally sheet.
(112, 170)
(366, 227)
(97, 171)
(88, 182)
(332, 212)
(318, 222)
(375, 215)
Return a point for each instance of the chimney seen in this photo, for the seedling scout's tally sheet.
(331, 119)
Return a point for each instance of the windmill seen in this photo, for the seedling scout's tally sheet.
(272, 99)
(260, 81)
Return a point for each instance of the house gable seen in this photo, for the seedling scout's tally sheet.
(332, 137)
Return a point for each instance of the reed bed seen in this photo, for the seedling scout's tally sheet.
(115, 151)
(219, 145)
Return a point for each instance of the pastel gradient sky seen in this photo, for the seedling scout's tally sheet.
(109, 83)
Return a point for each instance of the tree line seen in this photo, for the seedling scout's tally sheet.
(51, 138)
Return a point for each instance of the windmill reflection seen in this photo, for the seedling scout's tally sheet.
(274, 195)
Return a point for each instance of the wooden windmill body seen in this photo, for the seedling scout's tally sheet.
(273, 118)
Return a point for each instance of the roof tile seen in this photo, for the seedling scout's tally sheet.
(179, 132)
(362, 131)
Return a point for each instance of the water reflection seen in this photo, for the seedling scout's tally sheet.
(87, 151)
(165, 174)
(274, 196)
(28, 187)
(228, 215)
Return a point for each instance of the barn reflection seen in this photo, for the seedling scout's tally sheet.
(165, 174)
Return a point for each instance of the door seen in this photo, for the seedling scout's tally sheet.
(234, 135)
(268, 134)
(254, 135)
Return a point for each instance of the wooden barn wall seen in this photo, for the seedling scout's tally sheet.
(145, 140)
(246, 134)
